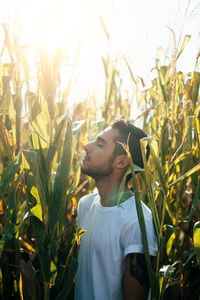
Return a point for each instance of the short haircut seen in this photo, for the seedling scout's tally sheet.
(131, 134)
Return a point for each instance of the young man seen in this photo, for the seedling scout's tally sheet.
(111, 263)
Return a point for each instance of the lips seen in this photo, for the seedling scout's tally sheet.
(87, 157)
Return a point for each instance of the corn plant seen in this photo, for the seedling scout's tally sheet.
(171, 180)
(38, 185)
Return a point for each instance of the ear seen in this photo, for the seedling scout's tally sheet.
(121, 162)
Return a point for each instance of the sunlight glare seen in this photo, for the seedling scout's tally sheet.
(55, 21)
(136, 29)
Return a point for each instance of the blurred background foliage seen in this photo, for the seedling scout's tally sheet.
(41, 143)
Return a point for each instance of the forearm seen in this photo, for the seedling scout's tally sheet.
(135, 292)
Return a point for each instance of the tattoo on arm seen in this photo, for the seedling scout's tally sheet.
(138, 268)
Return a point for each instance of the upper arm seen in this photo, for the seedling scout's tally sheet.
(135, 280)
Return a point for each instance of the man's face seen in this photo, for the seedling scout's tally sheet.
(98, 161)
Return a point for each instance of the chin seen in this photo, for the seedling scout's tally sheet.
(87, 172)
(84, 170)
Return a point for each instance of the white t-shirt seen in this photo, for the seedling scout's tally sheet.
(111, 233)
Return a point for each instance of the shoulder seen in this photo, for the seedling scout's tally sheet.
(130, 210)
(131, 215)
(84, 206)
(85, 202)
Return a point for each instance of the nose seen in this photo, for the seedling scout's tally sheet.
(88, 147)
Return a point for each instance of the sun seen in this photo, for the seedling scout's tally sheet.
(73, 26)
(54, 22)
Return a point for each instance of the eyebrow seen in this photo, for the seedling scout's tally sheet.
(100, 139)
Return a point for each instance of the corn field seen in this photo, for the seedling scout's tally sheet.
(40, 180)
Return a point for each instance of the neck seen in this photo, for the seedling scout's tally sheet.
(109, 192)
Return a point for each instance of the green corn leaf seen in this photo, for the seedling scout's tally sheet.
(67, 271)
(122, 186)
(42, 164)
(195, 87)
(191, 121)
(184, 44)
(54, 145)
(197, 128)
(22, 209)
(40, 235)
(10, 173)
(53, 270)
(2, 243)
(29, 160)
(5, 141)
(130, 71)
(69, 281)
(155, 156)
(12, 204)
(164, 74)
(166, 272)
(181, 157)
(169, 234)
(160, 85)
(76, 180)
(61, 180)
(35, 141)
(56, 288)
(6, 95)
(123, 182)
(40, 125)
(144, 142)
(34, 105)
(37, 209)
(195, 202)
(190, 260)
(151, 273)
(105, 66)
(187, 174)
(43, 181)
(168, 230)
(196, 238)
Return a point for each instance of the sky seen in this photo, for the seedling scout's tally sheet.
(136, 30)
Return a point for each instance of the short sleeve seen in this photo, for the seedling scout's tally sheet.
(84, 205)
(82, 209)
(131, 239)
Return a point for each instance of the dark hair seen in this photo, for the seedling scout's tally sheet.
(127, 130)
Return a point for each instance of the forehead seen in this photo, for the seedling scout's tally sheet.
(109, 135)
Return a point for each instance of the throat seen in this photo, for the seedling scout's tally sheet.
(116, 198)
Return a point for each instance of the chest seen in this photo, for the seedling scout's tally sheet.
(103, 234)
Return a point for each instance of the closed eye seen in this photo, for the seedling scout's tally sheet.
(100, 141)
(99, 145)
